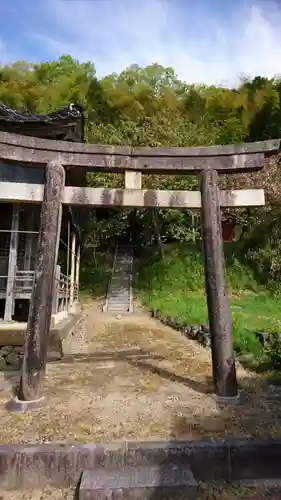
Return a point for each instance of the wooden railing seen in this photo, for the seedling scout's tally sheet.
(23, 283)
(62, 293)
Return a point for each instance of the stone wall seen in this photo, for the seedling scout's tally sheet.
(201, 333)
(11, 357)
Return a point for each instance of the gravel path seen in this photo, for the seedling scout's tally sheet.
(131, 377)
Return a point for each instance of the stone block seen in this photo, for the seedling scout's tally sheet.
(2, 363)
(138, 483)
(255, 459)
(209, 460)
(6, 350)
(19, 349)
(13, 359)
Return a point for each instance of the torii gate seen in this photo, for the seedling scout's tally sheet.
(58, 156)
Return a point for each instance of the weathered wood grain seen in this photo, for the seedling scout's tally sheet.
(133, 179)
(107, 197)
(118, 163)
(223, 361)
(230, 158)
(70, 147)
(40, 311)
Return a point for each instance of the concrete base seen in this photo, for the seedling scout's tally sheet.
(62, 323)
(138, 482)
(15, 405)
(223, 402)
(61, 465)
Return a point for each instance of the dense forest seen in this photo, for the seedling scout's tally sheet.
(151, 107)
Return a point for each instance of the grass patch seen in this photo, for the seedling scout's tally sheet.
(175, 286)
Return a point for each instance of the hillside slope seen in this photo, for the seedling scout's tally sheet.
(175, 286)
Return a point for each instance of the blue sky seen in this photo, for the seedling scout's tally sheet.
(205, 41)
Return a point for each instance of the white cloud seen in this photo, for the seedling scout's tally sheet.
(201, 48)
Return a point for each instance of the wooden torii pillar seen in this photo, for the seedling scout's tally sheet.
(30, 393)
(208, 162)
(223, 360)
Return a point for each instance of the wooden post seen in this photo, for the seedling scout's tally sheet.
(28, 247)
(158, 235)
(224, 372)
(72, 270)
(67, 267)
(133, 179)
(12, 266)
(30, 394)
(56, 295)
(77, 271)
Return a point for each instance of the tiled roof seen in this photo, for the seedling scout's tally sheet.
(16, 116)
(55, 125)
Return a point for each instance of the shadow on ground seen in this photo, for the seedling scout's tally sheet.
(258, 414)
(140, 358)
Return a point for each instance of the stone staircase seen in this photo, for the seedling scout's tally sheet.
(119, 293)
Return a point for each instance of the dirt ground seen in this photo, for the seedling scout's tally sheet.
(205, 492)
(133, 378)
(226, 492)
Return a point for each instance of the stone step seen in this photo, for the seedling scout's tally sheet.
(122, 267)
(118, 265)
(116, 282)
(120, 279)
(120, 288)
(118, 300)
(117, 285)
(119, 307)
(138, 483)
(118, 304)
(121, 276)
(119, 282)
(118, 310)
(123, 273)
(113, 303)
(116, 307)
